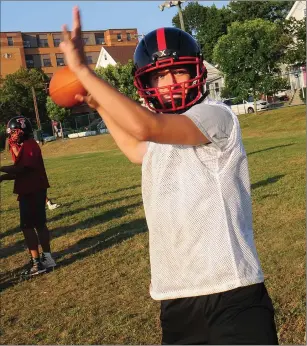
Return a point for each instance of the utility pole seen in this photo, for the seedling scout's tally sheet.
(169, 4)
(36, 109)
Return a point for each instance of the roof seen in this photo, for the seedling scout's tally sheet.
(121, 54)
(297, 10)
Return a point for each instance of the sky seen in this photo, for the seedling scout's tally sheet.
(95, 15)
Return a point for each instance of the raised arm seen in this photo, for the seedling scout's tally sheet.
(138, 121)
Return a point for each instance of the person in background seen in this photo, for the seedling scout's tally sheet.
(30, 184)
(14, 149)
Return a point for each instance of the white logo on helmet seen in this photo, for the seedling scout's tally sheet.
(22, 122)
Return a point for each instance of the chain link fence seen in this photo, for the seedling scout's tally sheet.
(74, 124)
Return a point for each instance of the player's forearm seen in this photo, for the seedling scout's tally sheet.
(133, 118)
(7, 177)
(126, 142)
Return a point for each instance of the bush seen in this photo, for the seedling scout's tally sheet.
(301, 95)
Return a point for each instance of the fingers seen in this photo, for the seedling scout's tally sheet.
(66, 33)
(76, 27)
(80, 98)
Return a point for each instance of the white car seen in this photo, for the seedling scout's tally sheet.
(243, 107)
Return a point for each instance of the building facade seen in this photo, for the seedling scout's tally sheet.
(215, 81)
(41, 49)
(297, 75)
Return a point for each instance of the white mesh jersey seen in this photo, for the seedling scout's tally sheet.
(198, 209)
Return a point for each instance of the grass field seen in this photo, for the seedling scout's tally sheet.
(99, 294)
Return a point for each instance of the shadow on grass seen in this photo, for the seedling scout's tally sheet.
(15, 230)
(84, 224)
(12, 249)
(78, 210)
(123, 189)
(91, 245)
(267, 181)
(11, 231)
(109, 237)
(83, 248)
(271, 148)
(93, 221)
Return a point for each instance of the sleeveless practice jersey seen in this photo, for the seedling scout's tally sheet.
(198, 209)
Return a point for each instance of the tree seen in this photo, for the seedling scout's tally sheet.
(296, 50)
(56, 112)
(206, 24)
(193, 16)
(16, 94)
(249, 56)
(269, 10)
(121, 78)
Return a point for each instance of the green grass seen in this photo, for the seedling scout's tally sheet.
(99, 294)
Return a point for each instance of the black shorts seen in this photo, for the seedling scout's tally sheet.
(243, 316)
(32, 208)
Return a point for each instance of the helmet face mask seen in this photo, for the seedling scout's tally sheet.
(19, 129)
(182, 52)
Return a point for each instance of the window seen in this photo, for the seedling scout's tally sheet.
(60, 62)
(60, 59)
(128, 36)
(105, 57)
(27, 44)
(99, 38)
(119, 37)
(56, 42)
(43, 42)
(7, 55)
(10, 41)
(85, 40)
(29, 61)
(47, 62)
(89, 59)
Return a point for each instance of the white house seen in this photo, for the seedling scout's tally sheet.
(297, 76)
(115, 54)
(298, 10)
(215, 81)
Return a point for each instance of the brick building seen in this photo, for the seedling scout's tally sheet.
(41, 49)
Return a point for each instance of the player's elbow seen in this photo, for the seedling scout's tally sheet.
(136, 161)
(135, 158)
(148, 130)
(142, 132)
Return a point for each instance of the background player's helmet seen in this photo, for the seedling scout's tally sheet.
(19, 123)
(165, 48)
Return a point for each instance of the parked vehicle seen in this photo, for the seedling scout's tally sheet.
(101, 127)
(48, 138)
(283, 95)
(243, 106)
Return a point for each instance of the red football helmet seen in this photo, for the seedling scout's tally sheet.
(165, 48)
